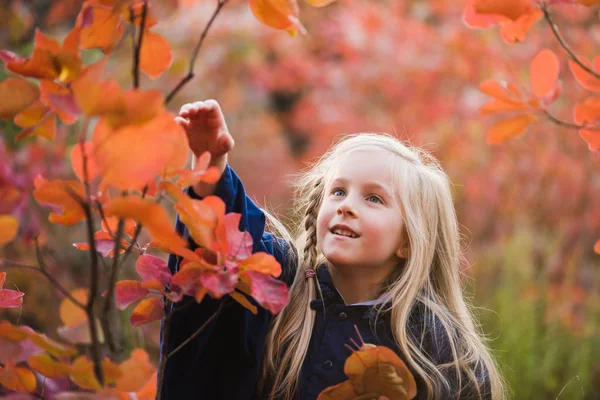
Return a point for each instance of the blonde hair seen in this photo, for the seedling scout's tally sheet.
(430, 277)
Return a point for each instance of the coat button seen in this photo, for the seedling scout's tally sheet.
(327, 364)
(343, 316)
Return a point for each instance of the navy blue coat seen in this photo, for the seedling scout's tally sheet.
(224, 361)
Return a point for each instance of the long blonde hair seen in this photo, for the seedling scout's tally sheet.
(430, 276)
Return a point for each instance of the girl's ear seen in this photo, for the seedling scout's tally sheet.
(404, 251)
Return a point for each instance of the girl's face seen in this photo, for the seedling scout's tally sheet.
(359, 223)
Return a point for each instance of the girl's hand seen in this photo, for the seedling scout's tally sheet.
(206, 129)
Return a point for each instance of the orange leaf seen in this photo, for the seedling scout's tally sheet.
(512, 9)
(18, 379)
(37, 120)
(13, 333)
(69, 313)
(342, 391)
(200, 216)
(82, 374)
(591, 137)
(60, 100)
(77, 161)
(111, 224)
(137, 370)
(597, 247)
(148, 391)
(144, 151)
(587, 112)
(585, 79)
(147, 311)
(376, 369)
(243, 300)
(155, 55)
(154, 218)
(543, 72)
(509, 128)
(497, 106)
(263, 263)
(278, 14)
(320, 3)
(53, 347)
(516, 31)
(100, 26)
(48, 366)
(16, 95)
(9, 227)
(99, 98)
(60, 193)
(505, 94)
(48, 61)
(588, 3)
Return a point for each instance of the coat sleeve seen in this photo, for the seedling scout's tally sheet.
(231, 344)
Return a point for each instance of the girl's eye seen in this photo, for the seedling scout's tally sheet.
(338, 192)
(374, 199)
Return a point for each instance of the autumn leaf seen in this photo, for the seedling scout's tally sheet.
(104, 243)
(320, 3)
(9, 298)
(52, 346)
(100, 26)
(48, 366)
(9, 226)
(144, 151)
(60, 193)
(585, 79)
(48, 60)
(150, 268)
(278, 14)
(155, 54)
(82, 374)
(597, 247)
(13, 333)
(60, 100)
(37, 120)
(128, 292)
(373, 372)
(77, 161)
(18, 379)
(509, 128)
(591, 137)
(269, 292)
(147, 311)
(543, 73)
(17, 94)
(154, 218)
(76, 326)
(202, 172)
(137, 370)
(512, 9)
(111, 224)
(587, 112)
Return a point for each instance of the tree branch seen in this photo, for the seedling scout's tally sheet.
(190, 75)
(138, 47)
(564, 44)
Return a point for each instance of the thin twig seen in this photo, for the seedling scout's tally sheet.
(204, 325)
(569, 125)
(42, 270)
(138, 47)
(109, 301)
(190, 75)
(564, 44)
(94, 276)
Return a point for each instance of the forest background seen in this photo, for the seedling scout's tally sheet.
(410, 68)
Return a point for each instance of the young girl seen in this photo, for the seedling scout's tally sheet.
(377, 249)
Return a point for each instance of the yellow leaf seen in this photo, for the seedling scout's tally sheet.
(9, 226)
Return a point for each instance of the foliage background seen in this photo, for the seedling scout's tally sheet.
(410, 68)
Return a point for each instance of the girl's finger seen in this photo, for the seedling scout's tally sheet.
(182, 122)
(185, 110)
(227, 143)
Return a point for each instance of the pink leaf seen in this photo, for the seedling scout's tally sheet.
(269, 292)
(128, 292)
(150, 267)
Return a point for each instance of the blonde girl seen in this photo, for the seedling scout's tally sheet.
(377, 251)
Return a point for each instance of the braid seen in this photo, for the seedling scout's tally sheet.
(310, 225)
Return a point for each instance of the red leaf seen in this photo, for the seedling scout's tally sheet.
(150, 267)
(128, 292)
(269, 292)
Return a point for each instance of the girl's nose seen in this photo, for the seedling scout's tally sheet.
(345, 208)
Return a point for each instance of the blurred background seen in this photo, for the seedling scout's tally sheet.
(410, 68)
